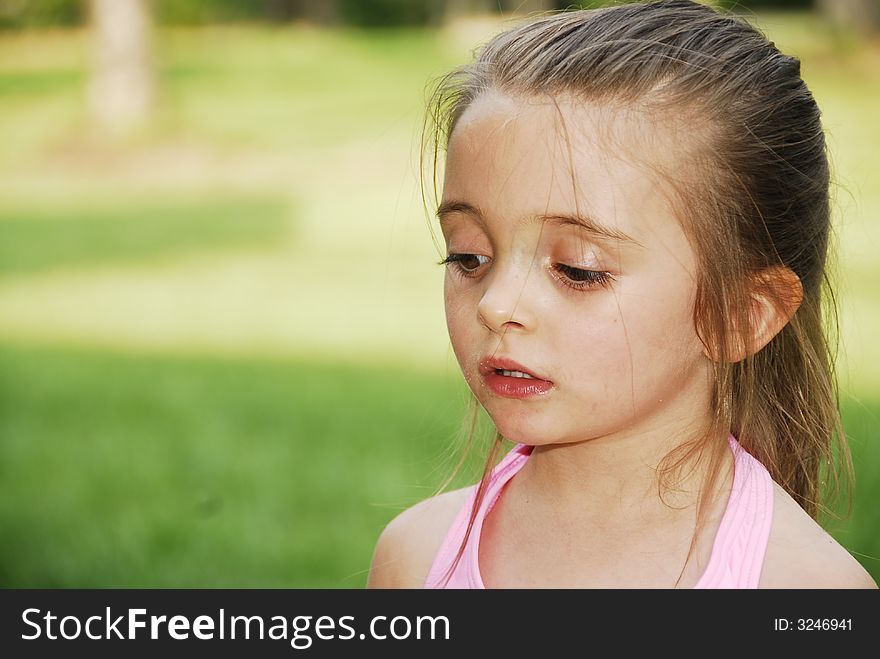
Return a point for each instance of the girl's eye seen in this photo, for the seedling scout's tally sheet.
(465, 264)
(580, 279)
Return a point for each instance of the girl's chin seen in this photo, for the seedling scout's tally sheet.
(521, 432)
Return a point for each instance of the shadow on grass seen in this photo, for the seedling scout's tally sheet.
(124, 230)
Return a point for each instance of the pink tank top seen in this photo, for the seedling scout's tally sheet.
(737, 552)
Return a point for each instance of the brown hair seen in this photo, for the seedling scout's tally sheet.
(756, 198)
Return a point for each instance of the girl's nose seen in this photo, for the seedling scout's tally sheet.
(505, 303)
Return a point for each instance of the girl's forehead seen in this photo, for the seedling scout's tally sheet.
(530, 154)
(567, 124)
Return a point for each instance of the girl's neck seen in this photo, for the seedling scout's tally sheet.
(615, 478)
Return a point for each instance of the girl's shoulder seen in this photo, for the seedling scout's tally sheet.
(407, 546)
(801, 554)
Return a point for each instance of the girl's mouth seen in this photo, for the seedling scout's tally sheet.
(514, 383)
(506, 378)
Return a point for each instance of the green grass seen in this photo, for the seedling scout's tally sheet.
(49, 236)
(860, 533)
(44, 82)
(117, 470)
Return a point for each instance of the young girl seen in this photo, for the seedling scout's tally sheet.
(636, 213)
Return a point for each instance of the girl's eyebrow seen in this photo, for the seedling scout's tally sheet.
(585, 222)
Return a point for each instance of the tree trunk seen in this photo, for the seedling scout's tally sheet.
(122, 88)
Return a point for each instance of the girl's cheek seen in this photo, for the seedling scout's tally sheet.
(460, 293)
(457, 309)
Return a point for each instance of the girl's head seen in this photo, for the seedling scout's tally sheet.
(635, 207)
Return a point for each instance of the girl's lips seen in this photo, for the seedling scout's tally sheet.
(514, 387)
(510, 386)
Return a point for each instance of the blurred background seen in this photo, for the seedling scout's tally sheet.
(223, 355)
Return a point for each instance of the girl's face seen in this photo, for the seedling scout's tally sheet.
(565, 257)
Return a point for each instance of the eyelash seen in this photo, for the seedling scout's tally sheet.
(591, 278)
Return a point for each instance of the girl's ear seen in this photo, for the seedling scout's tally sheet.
(774, 295)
